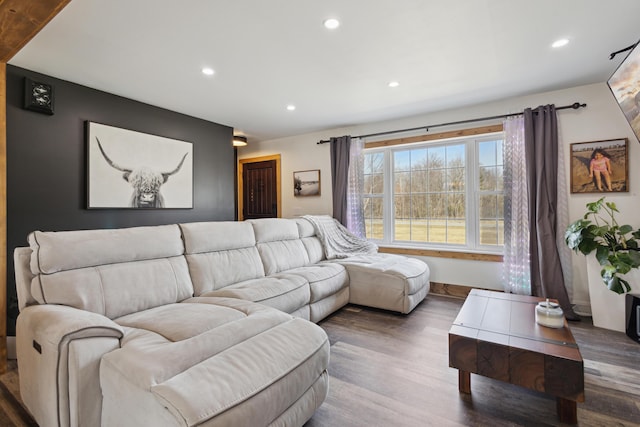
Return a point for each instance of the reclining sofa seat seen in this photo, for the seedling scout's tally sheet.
(263, 261)
(284, 251)
(110, 334)
(281, 263)
(387, 281)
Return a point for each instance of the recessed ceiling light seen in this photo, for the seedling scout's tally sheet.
(208, 71)
(291, 107)
(394, 84)
(331, 23)
(560, 43)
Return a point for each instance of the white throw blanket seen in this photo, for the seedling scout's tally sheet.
(337, 241)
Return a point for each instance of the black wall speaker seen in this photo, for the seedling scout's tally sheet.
(38, 96)
(633, 316)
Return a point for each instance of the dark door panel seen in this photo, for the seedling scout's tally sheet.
(260, 193)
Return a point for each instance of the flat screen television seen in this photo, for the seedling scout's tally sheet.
(625, 86)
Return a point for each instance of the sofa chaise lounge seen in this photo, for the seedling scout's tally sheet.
(208, 323)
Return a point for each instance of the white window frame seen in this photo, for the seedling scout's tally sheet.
(472, 194)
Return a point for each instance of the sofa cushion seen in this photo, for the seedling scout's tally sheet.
(279, 244)
(228, 358)
(274, 229)
(305, 228)
(213, 236)
(286, 292)
(314, 249)
(115, 290)
(110, 272)
(324, 279)
(282, 255)
(387, 281)
(215, 270)
(311, 242)
(220, 254)
(55, 251)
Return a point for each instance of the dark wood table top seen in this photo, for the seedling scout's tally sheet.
(509, 320)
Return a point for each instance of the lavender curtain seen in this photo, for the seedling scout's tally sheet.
(541, 151)
(516, 272)
(355, 205)
(340, 154)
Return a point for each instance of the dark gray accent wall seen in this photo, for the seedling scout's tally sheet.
(46, 164)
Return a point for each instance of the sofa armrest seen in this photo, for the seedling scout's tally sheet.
(59, 351)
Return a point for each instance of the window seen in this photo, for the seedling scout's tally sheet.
(490, 193)
(445, 193)
(373, 191)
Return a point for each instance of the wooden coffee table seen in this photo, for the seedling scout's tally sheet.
(495, 335)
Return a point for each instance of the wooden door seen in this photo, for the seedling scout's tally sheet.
(260, 190)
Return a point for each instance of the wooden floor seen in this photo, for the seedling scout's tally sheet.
(391, 370)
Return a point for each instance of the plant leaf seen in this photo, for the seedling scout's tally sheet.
(573, 239)
(586, 246)
(594, 207)
(634, 257)
(614, 285)
(624, 229)
(625, 283)
(622, 266)
(602, 255)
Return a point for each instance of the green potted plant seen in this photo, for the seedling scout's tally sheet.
(616, 246)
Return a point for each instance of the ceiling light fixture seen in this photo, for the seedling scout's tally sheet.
(331, 23)
(394, 84)
(291, 107)
(560, 43)
(239, 141)
(208, 71)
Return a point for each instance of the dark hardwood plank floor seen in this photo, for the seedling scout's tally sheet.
(393, 370)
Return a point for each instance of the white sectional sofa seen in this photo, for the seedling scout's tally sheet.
(189, 324)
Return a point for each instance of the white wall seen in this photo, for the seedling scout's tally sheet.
(298, 153)
(601, 119)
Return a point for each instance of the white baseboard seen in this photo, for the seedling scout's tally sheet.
(582, 309)
(11, 348)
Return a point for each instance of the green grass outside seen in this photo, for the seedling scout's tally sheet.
(438, 231)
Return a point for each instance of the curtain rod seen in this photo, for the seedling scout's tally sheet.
(574, 106)
(613, 55)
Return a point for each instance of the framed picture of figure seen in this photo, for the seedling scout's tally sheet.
(600, 166)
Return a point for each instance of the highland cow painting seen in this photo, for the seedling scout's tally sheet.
(128, 169)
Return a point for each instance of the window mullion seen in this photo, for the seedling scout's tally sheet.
(389, 213)
(471, 193)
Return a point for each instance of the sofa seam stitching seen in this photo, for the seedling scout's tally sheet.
(254, 391)
(104, 299)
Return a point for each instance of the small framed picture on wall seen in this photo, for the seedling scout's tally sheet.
(306, 183)
(600, 166)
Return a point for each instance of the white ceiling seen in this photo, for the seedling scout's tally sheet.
(270, 53)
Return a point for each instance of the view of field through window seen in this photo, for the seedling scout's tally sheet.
(429, 194)
(430, 190)
(373, 194)
(491, 193)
